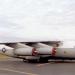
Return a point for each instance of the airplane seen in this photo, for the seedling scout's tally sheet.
(37, 50)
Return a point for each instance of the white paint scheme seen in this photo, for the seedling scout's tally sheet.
(43, 49)
(65, 52)
(22, 49)
(67, 49)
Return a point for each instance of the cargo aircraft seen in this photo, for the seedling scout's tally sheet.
(38, 50)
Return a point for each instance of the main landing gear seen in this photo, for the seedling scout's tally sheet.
(40, 60)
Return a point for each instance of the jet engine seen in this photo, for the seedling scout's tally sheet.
(24, 50)
(44, 49)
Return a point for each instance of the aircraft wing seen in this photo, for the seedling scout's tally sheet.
(32, 40)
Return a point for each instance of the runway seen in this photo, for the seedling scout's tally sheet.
(12, 66)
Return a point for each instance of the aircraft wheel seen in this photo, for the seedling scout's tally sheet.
(24, 60)
(32, 61)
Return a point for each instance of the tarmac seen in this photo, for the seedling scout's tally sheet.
(12, 66)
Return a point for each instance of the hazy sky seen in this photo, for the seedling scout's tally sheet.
(40, 18)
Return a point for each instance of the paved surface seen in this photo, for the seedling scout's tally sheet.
(12, 66)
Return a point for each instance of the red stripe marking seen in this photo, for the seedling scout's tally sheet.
(53, 51)
(34, 52)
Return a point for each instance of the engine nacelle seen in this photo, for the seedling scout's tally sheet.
(43, 49)
(24, 50)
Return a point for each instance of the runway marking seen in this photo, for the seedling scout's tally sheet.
(39, 65)
(27, 73)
